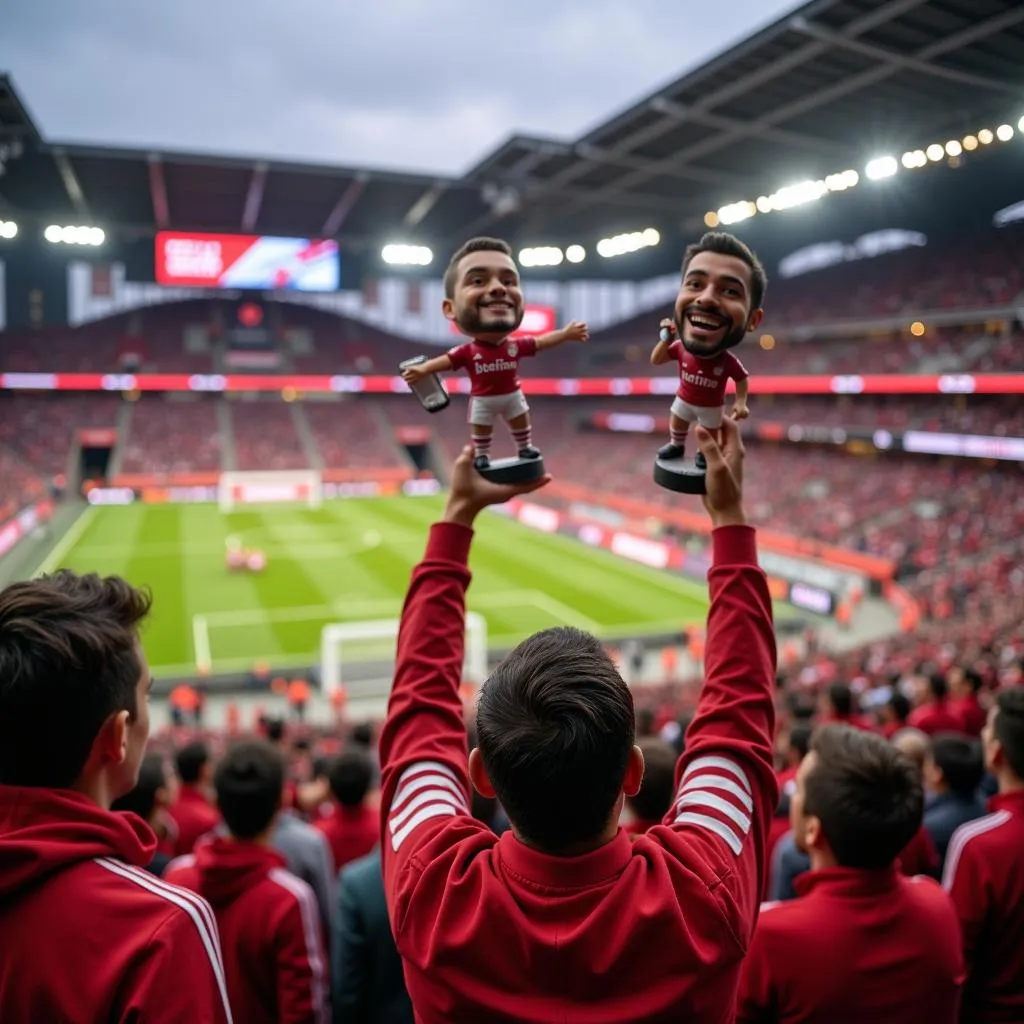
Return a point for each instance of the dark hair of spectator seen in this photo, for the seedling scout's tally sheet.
(275, 730)
(840, 697)
(350, 776)
(937, 685)
(659, 783)
(724, 244)
(249, 780)
(190, 761)
(900, 706)
(556, 727)
(481, 244)
(142, 799)
(867, 795)
(1009, 727)
(960, 761)
(800, 738)
(68, 661)
(362, 735)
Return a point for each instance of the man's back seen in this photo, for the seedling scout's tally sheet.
(86, 933)
(309, 857)
(855, 947)
(984, 875)
(352, 832)
(268, 922)
(194, 816)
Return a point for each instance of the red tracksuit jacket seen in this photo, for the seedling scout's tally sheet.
(270, 929)
(86, 934)
(857, 947)
(984, 874)
(352, 832)
(194, 816)
(652, 929)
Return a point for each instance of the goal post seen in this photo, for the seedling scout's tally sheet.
(253, 487)
(361, 655)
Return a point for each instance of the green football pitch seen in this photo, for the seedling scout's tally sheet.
(349, 561)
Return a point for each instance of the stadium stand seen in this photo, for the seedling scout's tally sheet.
(352, 434)
(172, 436)
(265, 436)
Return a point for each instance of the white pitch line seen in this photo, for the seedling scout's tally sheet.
(305, 613)
(67, 542)
(201, 642)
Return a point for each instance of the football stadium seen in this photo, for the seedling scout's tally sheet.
(728, 388)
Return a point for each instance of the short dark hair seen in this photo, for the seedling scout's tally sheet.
(659, 782)
(274, 729)
(867, 795)
(249, 781)
(190, 761)
(1009, 727)
(350, 776)
(840, 696)
(482, 244)
(556, 726)
(724, 244)
(800, 738)
(68, 661)
(900, 705)
(937, 685)
(960, 761)
(362, 735)
(142, 799)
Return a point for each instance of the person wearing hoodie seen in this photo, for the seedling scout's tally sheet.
(87, 933)
(274, 955)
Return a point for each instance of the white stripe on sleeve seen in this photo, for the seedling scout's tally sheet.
(962, 836)
(716, 803)
(717, 792)
(724, 764)
(311, 932)
(707, 781)
(732, 840)
(434, 810)
(195, 906)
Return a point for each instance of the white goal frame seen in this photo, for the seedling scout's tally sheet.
(253, 487)
(336, 635)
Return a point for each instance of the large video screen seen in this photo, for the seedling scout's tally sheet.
(246, 261)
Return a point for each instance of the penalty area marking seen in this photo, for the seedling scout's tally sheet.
(201, 642)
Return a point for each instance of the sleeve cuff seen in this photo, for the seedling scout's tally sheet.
(449, 542)
(734, 545)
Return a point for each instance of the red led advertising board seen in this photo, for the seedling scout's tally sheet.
(188, 260)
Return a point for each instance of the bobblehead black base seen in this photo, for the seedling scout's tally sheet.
(680, 475)
(513, 471)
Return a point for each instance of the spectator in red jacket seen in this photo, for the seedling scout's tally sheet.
(148, 799)
(353, 828)
(192, 811)
(276, 968)
(565, 916)
(651, 802)
(86, 932)
(933, 714)
(862, 942)
(985, 876)
(894, 714)
(964, 687)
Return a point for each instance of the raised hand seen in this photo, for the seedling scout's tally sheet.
(471, 492)
(724, 477)
(576, 330)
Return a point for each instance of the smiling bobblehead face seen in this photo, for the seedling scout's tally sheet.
(713, 308)
(487, 302)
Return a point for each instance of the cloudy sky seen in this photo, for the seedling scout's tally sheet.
(414, 84)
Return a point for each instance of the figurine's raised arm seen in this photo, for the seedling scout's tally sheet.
(414, 374)
(575, 330)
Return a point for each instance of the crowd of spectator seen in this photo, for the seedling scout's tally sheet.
(265, 436)
(172, 436)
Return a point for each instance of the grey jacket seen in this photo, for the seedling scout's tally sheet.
(309, 858)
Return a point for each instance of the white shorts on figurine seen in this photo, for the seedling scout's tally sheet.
(485, 409)
(709, 416)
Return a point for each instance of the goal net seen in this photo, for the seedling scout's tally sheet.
(361, 655)
(249, 488)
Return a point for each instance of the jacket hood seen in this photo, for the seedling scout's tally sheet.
(43, 831)
(228, 868)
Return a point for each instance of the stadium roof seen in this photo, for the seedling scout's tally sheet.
(825, 88)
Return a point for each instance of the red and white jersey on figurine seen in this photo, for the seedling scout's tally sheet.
(702, 381)
(493, 369)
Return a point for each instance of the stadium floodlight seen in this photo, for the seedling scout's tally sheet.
(1004, 133)
(913, 159)
(398, 254)
(985, 136)
(935, 152)
(798, 194)
(74, 235)
(881, 167)
(8, 229)
(842, 181)
(732, 213)
(970, 143)
(763, 204)
(954, 148)
(541, 256)
(575, 254)
(1020, 125)
(711, 219)
(620, 245)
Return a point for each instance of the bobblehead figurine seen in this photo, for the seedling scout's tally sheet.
(719, 302)
(484, 298)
